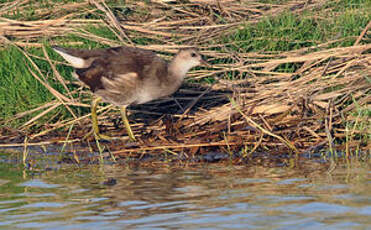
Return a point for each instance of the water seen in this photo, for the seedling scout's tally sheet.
(212, 196)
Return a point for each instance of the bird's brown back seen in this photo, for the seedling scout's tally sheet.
(111, 62)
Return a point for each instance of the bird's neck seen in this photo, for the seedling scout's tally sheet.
(178, 68)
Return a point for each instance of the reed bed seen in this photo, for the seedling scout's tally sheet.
(250, 105)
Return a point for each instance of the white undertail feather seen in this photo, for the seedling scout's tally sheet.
(76, 62)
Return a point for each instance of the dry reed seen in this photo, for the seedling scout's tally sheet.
(267, 110)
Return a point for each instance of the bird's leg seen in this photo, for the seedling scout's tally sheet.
(94, 119)
(126, 123)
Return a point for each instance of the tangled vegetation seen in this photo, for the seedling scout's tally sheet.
(287, 76)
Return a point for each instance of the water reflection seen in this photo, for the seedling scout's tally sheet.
(212, 196)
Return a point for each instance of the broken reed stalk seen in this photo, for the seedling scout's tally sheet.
(103, 7)
(257, 126)
(68, 122)
(57, 75)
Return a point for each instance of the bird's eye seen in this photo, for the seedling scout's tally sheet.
(193, 54)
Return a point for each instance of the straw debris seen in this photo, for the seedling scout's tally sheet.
(259, 108)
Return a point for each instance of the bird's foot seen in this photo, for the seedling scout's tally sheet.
(131, 137)
(99, 136)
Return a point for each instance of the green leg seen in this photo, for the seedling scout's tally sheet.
(126, 123)
(94, 119)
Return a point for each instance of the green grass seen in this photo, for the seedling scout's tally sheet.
(19, 90)
(288, 31)
(30, 11)
(15, 81)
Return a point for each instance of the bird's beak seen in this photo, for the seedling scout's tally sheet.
(205, 63)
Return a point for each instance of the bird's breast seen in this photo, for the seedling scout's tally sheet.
(143, 97)
(152, 91)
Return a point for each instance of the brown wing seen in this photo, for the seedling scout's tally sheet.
(112, 62)
(120, 90)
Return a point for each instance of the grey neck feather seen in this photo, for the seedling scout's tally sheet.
(178, 68)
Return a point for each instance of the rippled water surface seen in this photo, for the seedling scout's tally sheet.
(211, 196)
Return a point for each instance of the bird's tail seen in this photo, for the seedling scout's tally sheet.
(75, 61)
